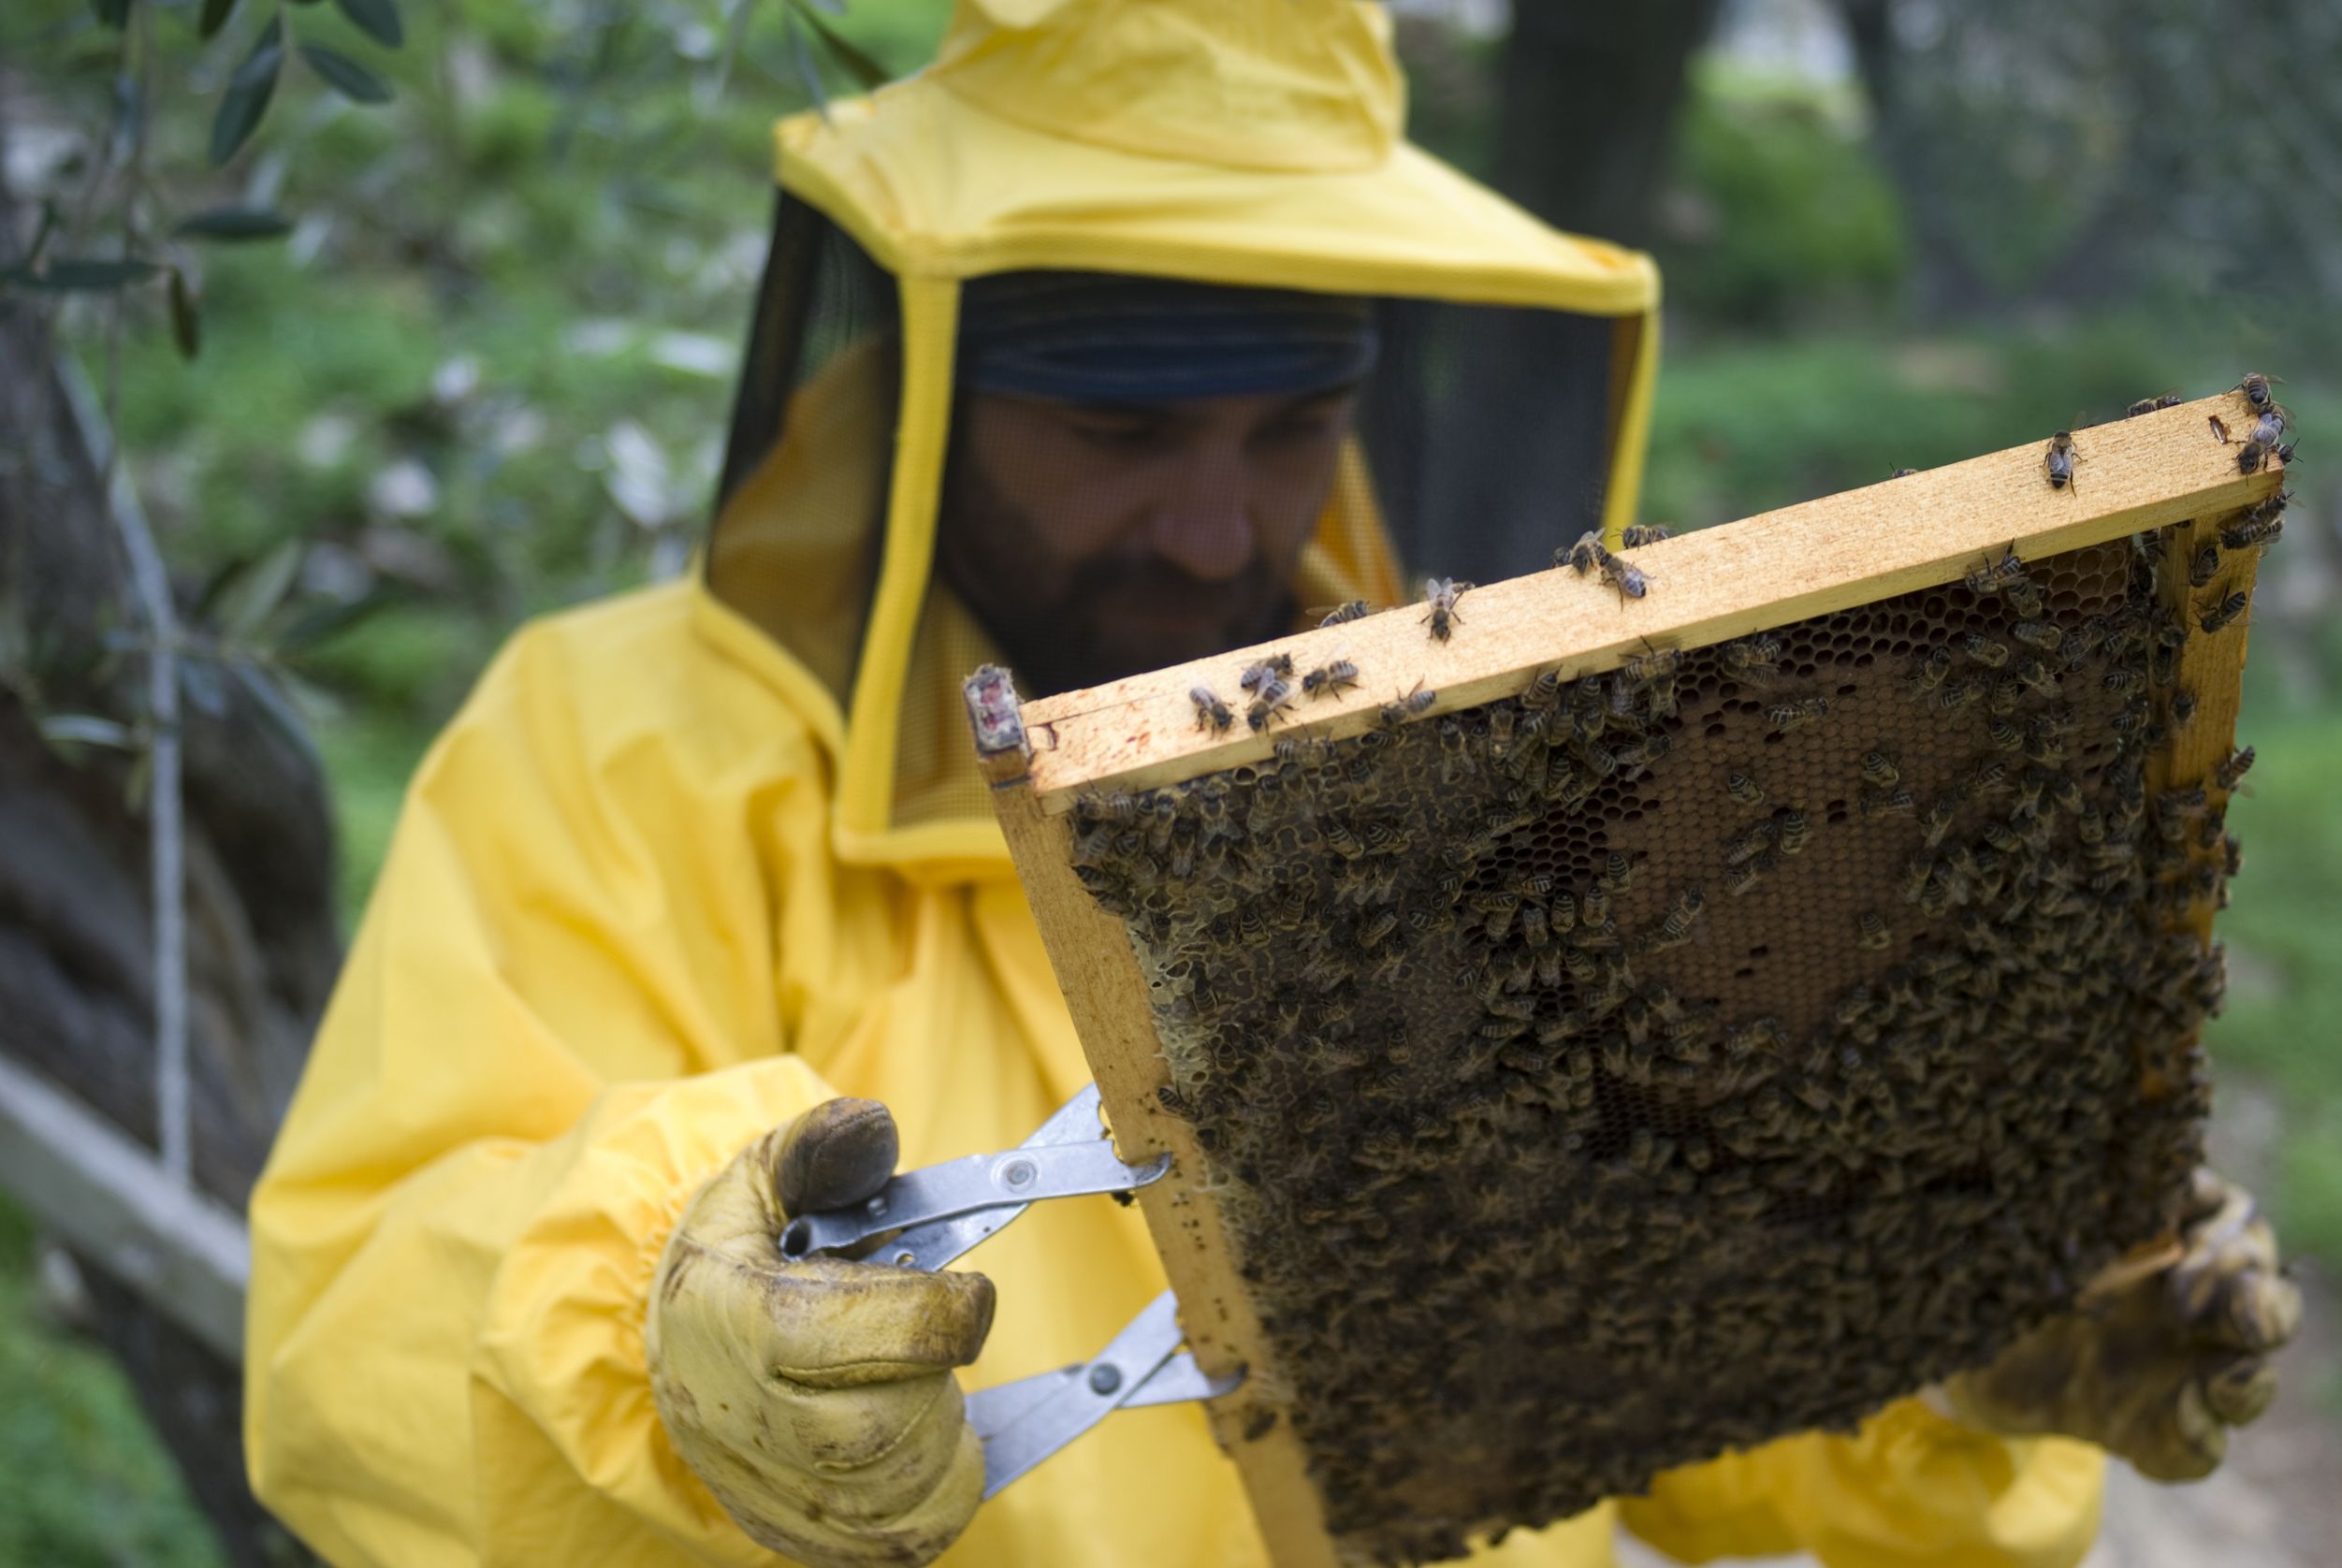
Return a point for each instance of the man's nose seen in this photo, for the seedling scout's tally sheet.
(1203, 522)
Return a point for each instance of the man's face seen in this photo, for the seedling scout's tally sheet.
(1093, 541)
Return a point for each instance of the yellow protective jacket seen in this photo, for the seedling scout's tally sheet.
(660, 887)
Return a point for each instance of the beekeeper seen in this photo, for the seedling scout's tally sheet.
(1059, 359)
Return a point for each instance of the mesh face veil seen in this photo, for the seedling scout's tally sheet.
(1161, 389)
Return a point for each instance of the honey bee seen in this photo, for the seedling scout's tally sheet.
(1331, 681)
(2038, 676)
(1937, 822)
(2057, 460)
(1755, 658)
(1797, 831)
(2255, 386)
(1903, 473)
(2182, 708)
(1440, 594)
(1984, 650)
(2255, 527)
(1636, 535)
(1587, 555)
(1871, 933)
(1594, 908)
(2231, 772)
(1631, 581)
(1878, 803)
(1277, 665)
(2251, 458)
(1744, 878)
(1675, 927)
(1394, 714)
(1786, 716)
(1210, 713)
(1931, 671)
(2224, 612)
(2149, 405)
(1617, 872)
(2207, 563)
(1274, 695)
(1748, 845)
(1746, 792)
(1341, 613)
(2037, 633)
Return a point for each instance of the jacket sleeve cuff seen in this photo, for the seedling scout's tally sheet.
(559, 1385)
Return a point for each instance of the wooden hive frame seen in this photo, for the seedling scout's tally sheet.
(1917, 532)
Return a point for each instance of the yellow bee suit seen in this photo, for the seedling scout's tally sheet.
(681, 869)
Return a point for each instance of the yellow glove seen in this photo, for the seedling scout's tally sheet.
(814, 1395)
(2154, 1366)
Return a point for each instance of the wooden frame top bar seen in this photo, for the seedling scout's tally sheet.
(1916, 531)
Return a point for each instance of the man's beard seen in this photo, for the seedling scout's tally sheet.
(1110, 622)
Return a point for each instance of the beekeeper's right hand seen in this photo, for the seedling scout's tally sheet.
(814, 1395)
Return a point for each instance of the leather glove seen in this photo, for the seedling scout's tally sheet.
(2156, 1365)
(814, 1396)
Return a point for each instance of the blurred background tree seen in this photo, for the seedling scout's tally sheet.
(480, 368)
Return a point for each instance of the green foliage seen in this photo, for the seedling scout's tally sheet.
(82, 1484)
(1780, 210)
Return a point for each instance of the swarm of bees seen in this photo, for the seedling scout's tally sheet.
(1685, 1026)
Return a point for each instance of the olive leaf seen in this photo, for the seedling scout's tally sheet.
(377, 19)
(254, 591)
(236, 223)
(346, 76)
(186, 315)
(248, 93)
(80, 274)
(865, 71)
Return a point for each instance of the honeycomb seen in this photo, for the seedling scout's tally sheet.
(1658, 1062)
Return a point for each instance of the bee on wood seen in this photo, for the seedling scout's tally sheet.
(1630, 580)
(1210, 713)
(2058, 460)
(1986, 580)
(1871, 933)
(2149, 405)
(1903, 473)
(1331, 681)
(2230, 773)
(1274, 695)
(1440, 594)
(2251, 458)
(2225, 612)
(2205, 564)
(1653, 674)
(2251, 529)
(1786, 716)
(1276, 666)
(2269, 429)
(2284, 455)
(1355, 609)
(2255, 386)
(1746, 792)
(1394, 714)
(1588, 555)
(1636, 535)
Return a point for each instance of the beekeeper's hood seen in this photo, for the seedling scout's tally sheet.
(1230, 142)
